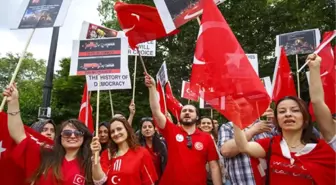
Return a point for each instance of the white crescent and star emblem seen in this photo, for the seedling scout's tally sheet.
(198, 146)
(179, 138)
(115, 179)
(1, 149)
(129, 29)
(79, 180)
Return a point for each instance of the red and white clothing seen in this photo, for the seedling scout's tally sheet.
(156, 160)
(186, 166)
(27, 155)
(314, 164)
(135, 167)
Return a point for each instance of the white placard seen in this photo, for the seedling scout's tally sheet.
(147, 49)
(267, 84)
(162, 74)
(99, 56)
(93, 31)
(109, 81)
(298, 42)
(40, 14)
(253, 58)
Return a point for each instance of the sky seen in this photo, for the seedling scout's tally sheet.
(15, 40)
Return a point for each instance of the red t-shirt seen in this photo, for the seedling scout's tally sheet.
(135, 167)
(316, 165)
(186, 166)
(27, 156)
(156, 160)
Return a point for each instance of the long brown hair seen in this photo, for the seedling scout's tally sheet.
(307, 134)
(131, 139)
(53, 158)
(213, 131)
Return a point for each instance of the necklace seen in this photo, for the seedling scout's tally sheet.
(295, 145)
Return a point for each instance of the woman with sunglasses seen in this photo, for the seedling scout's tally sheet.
(151, 140)
(65, 163)
(296, 156)
(125, 162)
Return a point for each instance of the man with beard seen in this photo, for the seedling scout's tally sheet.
(189, 149)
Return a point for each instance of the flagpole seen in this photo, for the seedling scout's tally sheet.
(134, 76)
(188, 101)
(211, 113)
(22, 56)
(297, 75)
(199, 20)
(142, 62)
(111, 103)
(150, 178)
(97, 117)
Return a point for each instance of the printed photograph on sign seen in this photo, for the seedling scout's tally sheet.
(41, 14)
(216, 101)
(299, 42)
(93, 31)
(266, 81)
(175, 13)
(99, 56)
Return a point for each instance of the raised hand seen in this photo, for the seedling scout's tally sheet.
(314, 60)
(149, 81)
(11, 93)
(132, 108)
(95, 145)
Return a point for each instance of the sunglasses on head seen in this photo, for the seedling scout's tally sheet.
(189, 142)
(68, 133)
(147, 119)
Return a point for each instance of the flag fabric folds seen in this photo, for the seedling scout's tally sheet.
(85, 111)
(141, 23)
(173, 105)
(221, 69)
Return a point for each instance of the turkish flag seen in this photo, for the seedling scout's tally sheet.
(85, 111)
(10, 172)
(283, 83)
(221, 69)
(187, 93)
(327, 70)
(162, 100)
(141, 23)
(173, 105)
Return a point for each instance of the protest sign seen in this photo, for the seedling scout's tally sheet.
(216, 101)
(40, 14)
(99, 56)
(93, 31)
(267, 84)
(176, 13)
(187, 93)
(109, 81)
(162, 75)
(253, 58)
(299, 42)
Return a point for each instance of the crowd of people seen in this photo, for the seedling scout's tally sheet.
(285, 148)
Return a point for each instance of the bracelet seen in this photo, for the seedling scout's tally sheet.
(13, 113)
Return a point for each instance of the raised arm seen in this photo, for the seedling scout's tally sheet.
(229, 148)
(132, 112)
(15, 124)
(251, 148)
(154, 102)
(321, 110)
(98, 175)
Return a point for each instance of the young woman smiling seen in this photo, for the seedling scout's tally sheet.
(125, 162)
(65, 163)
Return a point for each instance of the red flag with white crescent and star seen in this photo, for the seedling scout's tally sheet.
(221, 69)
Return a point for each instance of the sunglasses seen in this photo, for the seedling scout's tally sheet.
(189, 142)
(147, 119)
(68, 133)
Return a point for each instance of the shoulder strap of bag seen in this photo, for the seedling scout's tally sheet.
(268, 160)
